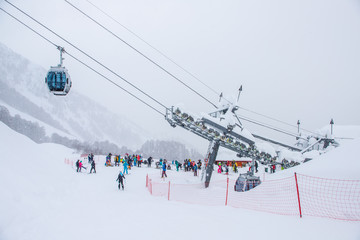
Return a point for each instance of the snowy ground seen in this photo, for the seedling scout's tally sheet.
(43, 198)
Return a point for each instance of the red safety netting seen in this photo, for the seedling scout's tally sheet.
(159, 188)
(197, 193)
(330, 198)
(297, 195)
(275, 196)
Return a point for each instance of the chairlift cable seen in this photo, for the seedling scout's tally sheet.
(86, 65)
(86, 54)
(142, 54)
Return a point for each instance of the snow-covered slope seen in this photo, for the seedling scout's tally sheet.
(22, 87)
(340, 163)
(43, 198)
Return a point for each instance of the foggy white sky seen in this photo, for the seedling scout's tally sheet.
(295, 59)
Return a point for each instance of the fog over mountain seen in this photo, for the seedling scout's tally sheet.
(75, 120)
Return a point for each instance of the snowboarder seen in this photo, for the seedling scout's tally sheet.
(93, 166)
(120, 180)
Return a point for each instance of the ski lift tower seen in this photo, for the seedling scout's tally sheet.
(221, 128)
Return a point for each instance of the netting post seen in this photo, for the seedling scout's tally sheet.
(297, 189)
(147, 180)
(150, 186)
(227, 190)
(169, 192)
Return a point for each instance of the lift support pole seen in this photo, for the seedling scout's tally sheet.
(210, 166)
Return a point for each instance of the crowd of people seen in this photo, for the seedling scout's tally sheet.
(135, 160)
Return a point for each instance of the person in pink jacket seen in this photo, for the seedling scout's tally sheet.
(219, 169)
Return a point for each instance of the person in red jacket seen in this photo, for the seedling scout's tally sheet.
(81, 166)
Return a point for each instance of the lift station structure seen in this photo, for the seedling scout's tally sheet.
(224, 128)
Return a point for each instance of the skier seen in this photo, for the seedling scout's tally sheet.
(177, 165)
(126, 167)
(149, 161)
(199, 164)
(93, 166)
(77, 165)
(195, 170)
(219, 169)
(120, 180)
(80, 166)
(235, 167)
(226, 169)
(135, 160)
(256, 166)
(163, 170)
(116, 160)
(139, 160)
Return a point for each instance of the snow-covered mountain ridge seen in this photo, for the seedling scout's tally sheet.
(76, 121)
(22, 88)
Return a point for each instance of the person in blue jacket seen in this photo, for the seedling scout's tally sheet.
(163, 170)
(195, 170)
(126, 167)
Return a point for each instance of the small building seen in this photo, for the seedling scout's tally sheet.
(239, 162)
(228, 157)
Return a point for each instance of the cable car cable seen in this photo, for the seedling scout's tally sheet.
(100, 62)
(267, 126)
(277, 120)
(117, 85)
(154, 48)
(142, 54)
(185, 70)
(145, 57)
(49, 41)
(92, 58)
